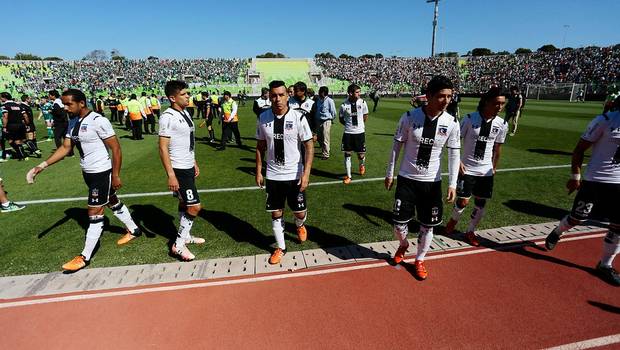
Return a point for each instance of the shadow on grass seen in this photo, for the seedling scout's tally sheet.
(536, 209)
(383, 134)
(80, 215)
(250, 170)
(237, 229)
(327, 174)
(366, 212)
(154, 221)
(551, 152)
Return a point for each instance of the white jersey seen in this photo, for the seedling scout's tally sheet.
(178, 126)
(423, 139)
(305, 106)
(87, 134)
(353, 116)
(283, 136)
(263, 103)
(479, 138)
(604, 133)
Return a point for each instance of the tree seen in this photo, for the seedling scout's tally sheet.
(367, 55)
(547, 48)
(152, 58)
(96, 56)
(378, 55)
(3, 57)
(118, 58)
(324, 55)
(271, 55)
(448, 54)
(52, 58)
(481, 51)
(522, 50)
(502, 53)
(344, 55)
(567, 48)
(26, 57)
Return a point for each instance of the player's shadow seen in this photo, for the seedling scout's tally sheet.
(536, 209)
(249, 160)
(250, 170)
(237, 229)
(551, 152)
(154, 221)
(368, 213)
(605, 307)
(80, 216)
(326, 174)
(382, 134)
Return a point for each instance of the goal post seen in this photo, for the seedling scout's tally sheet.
(560, 91)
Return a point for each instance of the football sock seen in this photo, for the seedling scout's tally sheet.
(400, 232)
(300, 222)
(347, 165)
(457, 212)
(563, 226)
(611, 247)
(425, 238)
(476, 216)
(95, 228)
(363, 161)
(185, 226)
(278, 231)
(50, 133)
(121, 212)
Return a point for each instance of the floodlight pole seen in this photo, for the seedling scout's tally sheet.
(434, 24)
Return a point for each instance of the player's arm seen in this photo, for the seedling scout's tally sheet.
(256, 108)
(341, 116)
(261, 146)
(389, 175)
(57, 156)
(497, 152)
(233, 113)
(576, 162)
(5, 119)
(26, 118)
(164, 145)
(117, 160)
(365, 111)
(309, 156)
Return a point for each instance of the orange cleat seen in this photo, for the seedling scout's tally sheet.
(346, 180)
(77, 263)
(400, 254)
(129, 236)
(276, 256)
(420, 270)
(302, 233)
(472, 239)
(182, 253)
(450, 226)
(362, 169)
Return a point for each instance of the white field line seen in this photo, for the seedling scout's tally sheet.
(279, 276)
(255, 188)
(590, 343)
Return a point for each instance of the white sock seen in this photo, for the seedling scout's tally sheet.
(278, 232)
(6, 204)
(95, 228)
(125, 217)
(300, 222)
(347, 165)
(563, 226)
(400, 232)
(185, 226)
(611, 247)
(476, 216)
(425, 238)
(457, 212)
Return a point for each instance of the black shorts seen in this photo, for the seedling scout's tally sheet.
(187, 186)
(425, 197)
(16, 131)
(99, 188)
(479, 186)
(354, 142)
(598, 198)
(280, 191)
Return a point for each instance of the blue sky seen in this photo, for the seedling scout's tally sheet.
(189, 29)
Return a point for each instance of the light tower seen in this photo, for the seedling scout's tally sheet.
(434, 24)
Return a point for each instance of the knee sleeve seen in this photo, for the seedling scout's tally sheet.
(480, 202)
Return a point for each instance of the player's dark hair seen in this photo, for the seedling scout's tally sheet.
(300, 86)
(174, 86)
(276, 84)
(54, 93)
(491, 94)
(264, 91)
(133, 97)
(6, 95)
(24, 97)
(77, 95)
(438, 83)
(227, 93)
(351, 89)
(324, 90)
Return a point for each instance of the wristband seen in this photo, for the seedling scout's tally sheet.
(575, 177)
(43, 165)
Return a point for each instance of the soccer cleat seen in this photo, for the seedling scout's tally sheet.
(182, 253)
(346, 180)
(194, 240)
(450, 226)
(472, 239)
(276, 256)
(77, 263)
(608, 274)
(551, 240)
(420, 270)
(362, 169)
(2, 160)
(11, 207)
(302, 233)
(399, 256)
(129, 236)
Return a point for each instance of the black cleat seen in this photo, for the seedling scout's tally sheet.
(608, 274)
(552, 240)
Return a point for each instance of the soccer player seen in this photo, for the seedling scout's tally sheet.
(176, 150)
(302, 103)
(60, 120)
(280, 133)
(599, 188)
(262, 103)
(46, 113)
(31, 130)
(112, 103)
(6, 206)
(353, 115)
(513, 108)
(423, 132)
(14, 121)
(93, 135)
(483, 133)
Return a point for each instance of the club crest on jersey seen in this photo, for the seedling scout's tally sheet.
(288, 125)
(443, 130)
(83, 127)
(495, 130)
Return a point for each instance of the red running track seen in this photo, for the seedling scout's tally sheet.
(524, 298)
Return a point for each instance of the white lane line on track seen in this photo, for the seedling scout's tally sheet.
(255, 188)
(590, 343)
(145, 290)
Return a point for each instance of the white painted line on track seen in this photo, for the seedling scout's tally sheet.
(590, 343)
(255, 188)
(206, 284)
